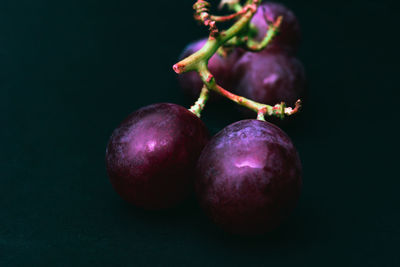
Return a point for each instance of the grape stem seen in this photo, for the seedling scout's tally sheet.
(236, 35)
(279, 110)
(231, 4)
(272, 31)
(198, 107)
(231, 16)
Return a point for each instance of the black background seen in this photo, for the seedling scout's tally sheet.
(72, 70)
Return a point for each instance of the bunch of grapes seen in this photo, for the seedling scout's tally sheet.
(268, 76)
(247, 178)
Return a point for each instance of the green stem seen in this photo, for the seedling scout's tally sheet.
(272, 31)
(233, 5)
(279, 110)
(198, 107)
(211, 46)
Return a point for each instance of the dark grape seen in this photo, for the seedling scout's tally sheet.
(151, 156)
(249, 177)
(220, 67)
(270, 78)
(289, 35)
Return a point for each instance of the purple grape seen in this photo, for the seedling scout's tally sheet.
(270, 78)
(219, 66)
(151, 156)
(249, 177)
(289, 35)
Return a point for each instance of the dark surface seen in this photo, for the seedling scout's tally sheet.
(71, 71)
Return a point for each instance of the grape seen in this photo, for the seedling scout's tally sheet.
(289, 35)
(270, 78)
(249, 177)
(151, 156)
(220, 67)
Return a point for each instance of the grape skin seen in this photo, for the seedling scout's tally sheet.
(270, 78)
(289, 36)
(151, 156)
(249, 177)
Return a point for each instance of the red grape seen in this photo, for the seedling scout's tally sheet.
(270, 78)
(289, 35)
(249, 177)
(220, 67)
(151, 156)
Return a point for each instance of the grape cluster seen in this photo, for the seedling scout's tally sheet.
(269, 76)
(247, 178)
